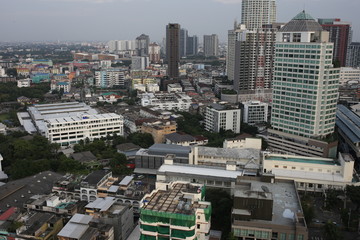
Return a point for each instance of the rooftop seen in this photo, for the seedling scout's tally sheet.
(348, 122)
(76, 227)
(198, 170)
(283, 193)
(245, 153)
(289, 158)
(16, 193)
(302, 22)
(173, 200)
(178, 137)
(95, 177)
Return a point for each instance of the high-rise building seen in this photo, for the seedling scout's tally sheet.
(139, 62)
(256, 13)
(353, 55)
(183, 42)
(172, 49)
(142, 45)
(254, 58)
(230, 57)
(192, 45)
(305, 90)
(340, 35)
(211, 45)
(154, 53)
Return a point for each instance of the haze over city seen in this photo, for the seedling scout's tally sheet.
(88, 20)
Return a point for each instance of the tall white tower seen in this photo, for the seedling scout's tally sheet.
(256, 13)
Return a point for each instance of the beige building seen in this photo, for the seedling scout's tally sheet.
(311, 173)
(240, 143)
(159, 129)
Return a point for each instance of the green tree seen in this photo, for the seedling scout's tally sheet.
(353, 192)
(144, 140)
(332, 232)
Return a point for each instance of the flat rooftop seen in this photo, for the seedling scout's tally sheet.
(203, 171)
(325, 161)
(285, 199)
(245, 153)
(173, 200)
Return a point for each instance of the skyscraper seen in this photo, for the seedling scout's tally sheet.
(353, 55)
(211, 45)
(192, 46)
(172, 49)
(305, 90)
(254, 57)
(142, 45)
(183, 41)
(255, 13)
(340, 35)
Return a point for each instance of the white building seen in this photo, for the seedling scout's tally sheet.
(152, 88)
(166, 101)
(2, 72)
(64, 85)
(256, 13)
(311, 173)
(255, 112)
(174, 87)
(222, 116)
(109, 78)
(24, 83)
(241, 143)
(68, 123)
(139, 63)
(349, 75)
(305, 88)
(70, 130)
(154, 53)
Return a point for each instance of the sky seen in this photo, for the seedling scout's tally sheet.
(103, 20)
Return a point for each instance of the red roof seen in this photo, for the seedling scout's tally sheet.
(7, 214)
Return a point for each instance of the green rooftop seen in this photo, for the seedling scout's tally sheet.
(302, 160)
(303, 16)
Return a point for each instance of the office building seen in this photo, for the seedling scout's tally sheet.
(172, 49)
(313, 174)
(183, 42)
(177, 211)
(265, 208)
(154, 53)
(339, 34)
(305, 90)
(139, 62)
(142, 45)
(256, 13)
(353, 55)
(109, 78)
(192, 45)
(255, 112)
(211, 45)
(158, 129)
(222, 116)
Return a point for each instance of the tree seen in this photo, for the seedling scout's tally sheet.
(144, 140)
(331, 232)
(354, 194)
(222, 204)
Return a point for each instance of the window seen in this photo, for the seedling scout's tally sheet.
(286, 37)
(296, 37)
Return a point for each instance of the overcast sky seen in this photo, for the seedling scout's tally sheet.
(88, 20)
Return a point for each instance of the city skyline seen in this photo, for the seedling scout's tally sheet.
(103, 20)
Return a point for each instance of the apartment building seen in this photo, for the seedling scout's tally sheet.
(255, 112)
(222, 116)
